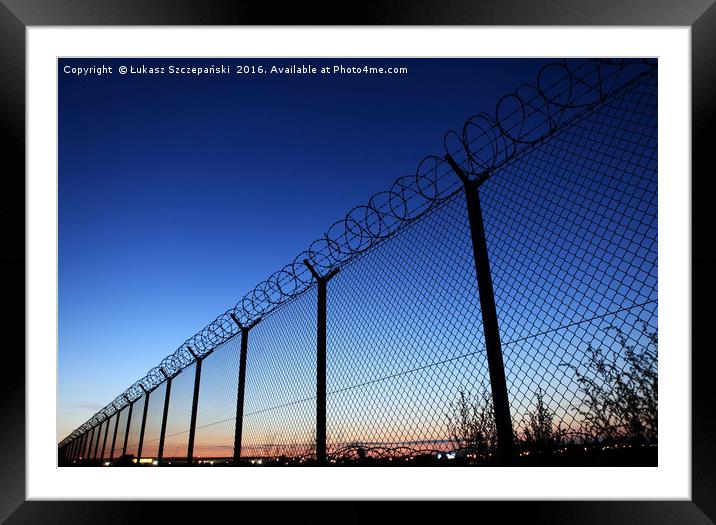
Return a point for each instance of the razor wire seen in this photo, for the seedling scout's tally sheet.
(562, 92)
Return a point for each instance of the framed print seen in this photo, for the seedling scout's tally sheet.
(414, 255)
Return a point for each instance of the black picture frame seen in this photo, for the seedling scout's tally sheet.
(17, 15)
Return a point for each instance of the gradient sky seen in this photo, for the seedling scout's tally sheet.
(177, 194)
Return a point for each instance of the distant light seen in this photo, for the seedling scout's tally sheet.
(155, 462)
(450, 455)
(144, 460)
(106, 463)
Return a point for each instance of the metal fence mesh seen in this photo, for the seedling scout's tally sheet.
(571, 228)
(97, 452)
(280, 404)
(179, 415)
(121, 426)
(572, 231)
(112, 423)
(216, 415)
(135, 426)
(153, 425)
(404, 335)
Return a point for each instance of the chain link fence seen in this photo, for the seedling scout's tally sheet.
(566, 171)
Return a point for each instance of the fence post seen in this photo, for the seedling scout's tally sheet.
(144, 422)
(129, 422)
(498, 384)
(238, 428)
(321, 284)
(114, 436)
(83, 447)
(93, 440)
(96, 444)
(104, 440)
(167, 393)
(194, 407)
(88, 444)
(84, 444)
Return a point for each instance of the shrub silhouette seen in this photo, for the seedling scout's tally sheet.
(540, 434)
(621, 390)
(471, 426)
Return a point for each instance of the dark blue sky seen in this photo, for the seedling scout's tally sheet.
(178, 193)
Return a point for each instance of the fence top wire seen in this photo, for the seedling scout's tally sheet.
(562, 90)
